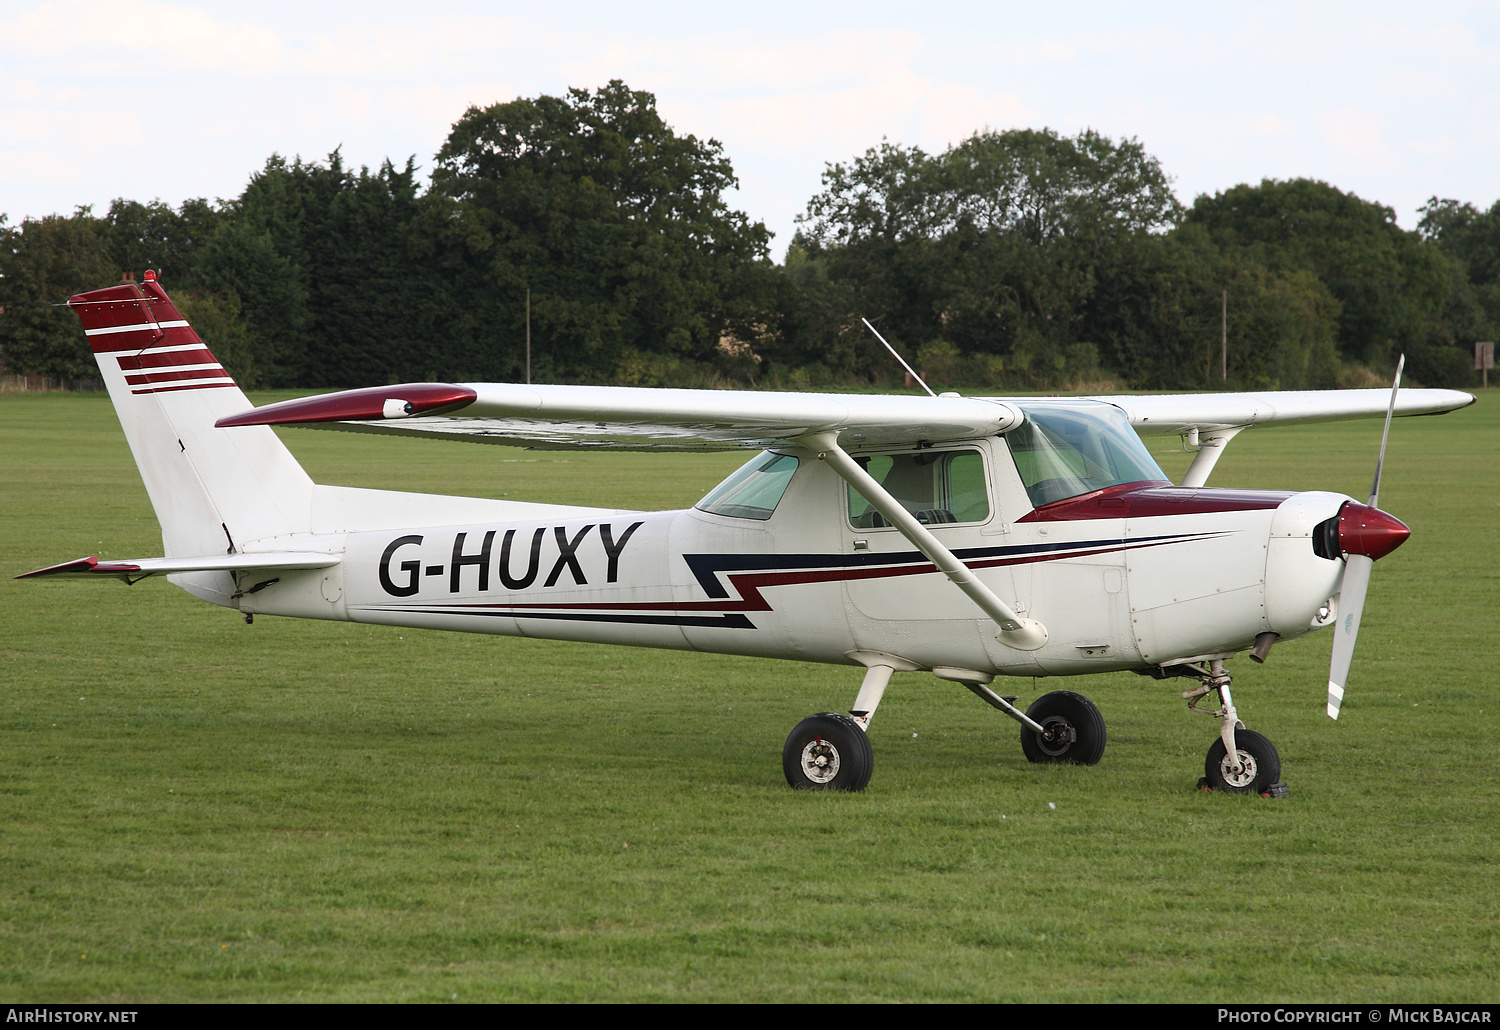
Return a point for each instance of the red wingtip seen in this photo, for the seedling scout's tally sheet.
(1369, 531)
(357, 405)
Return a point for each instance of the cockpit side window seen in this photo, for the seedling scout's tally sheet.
(1063, 452)
(938, 487)
(755, 490)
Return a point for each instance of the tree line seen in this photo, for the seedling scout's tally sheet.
(1020, 259)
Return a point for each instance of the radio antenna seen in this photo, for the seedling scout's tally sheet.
(898, 357)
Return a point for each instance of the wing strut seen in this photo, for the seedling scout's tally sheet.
(1021, 634)
(1210, 449)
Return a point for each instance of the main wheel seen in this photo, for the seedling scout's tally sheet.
(1260, 765)
(1073, 730)
(828, 752)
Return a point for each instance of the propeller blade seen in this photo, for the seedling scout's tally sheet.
(1351, 606)
(1384, 436)
(1365, 533)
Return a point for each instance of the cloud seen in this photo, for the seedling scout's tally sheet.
(1270, 125)
(1356, 133)
(102, 129)
(1233, 94)
(839, 92)
(99, 37)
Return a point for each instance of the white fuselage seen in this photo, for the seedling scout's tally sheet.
(1126, 578)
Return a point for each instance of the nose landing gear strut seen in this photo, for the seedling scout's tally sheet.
(1241, 761)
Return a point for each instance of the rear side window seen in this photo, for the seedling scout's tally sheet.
(938, 487)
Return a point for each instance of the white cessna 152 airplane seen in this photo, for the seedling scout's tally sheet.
(970, 537)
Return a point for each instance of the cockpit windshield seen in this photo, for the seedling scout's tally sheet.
(754, 491)
(1063, 450)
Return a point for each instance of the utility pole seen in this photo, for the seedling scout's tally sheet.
(1224, 337)
(528, 336)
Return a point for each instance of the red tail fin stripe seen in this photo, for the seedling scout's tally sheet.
(206, 385)
(161, 357)
(203, 372)
(188, 360)
(124, 337)
(137, 338)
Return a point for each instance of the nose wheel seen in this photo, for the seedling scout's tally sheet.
(1258, 767)
(1254, 767)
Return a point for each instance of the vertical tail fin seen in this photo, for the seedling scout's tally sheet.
(212, 490)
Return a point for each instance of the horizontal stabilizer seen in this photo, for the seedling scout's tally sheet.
(139, 568)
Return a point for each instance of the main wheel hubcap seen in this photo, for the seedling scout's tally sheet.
(820, 760)
(1057, 736)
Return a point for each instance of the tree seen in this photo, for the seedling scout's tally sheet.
(617, 226)
(995, 245)
(323, 262)
(139, 236)
(1154, 312)
(1389, 285)
(45, 261)
(1470, 239)
(1466, 235)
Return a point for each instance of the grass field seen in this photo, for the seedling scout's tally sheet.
(195, 809)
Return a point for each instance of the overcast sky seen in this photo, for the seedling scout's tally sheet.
(115, 98)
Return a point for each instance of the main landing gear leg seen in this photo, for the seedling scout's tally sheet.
(877, 678)
(831, 751)
(1240, 761)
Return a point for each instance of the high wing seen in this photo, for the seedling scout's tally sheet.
(633, 418)
(1213, 412)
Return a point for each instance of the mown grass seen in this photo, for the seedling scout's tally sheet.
(196, 809)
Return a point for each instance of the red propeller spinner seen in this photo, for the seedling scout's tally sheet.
(1369, 531)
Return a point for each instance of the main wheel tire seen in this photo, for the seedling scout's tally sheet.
(828, 752)
(1260, 764)
(1074, 730)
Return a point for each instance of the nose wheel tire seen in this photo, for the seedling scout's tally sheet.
(1260, 765)
(1073, 730)
(828, 752)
